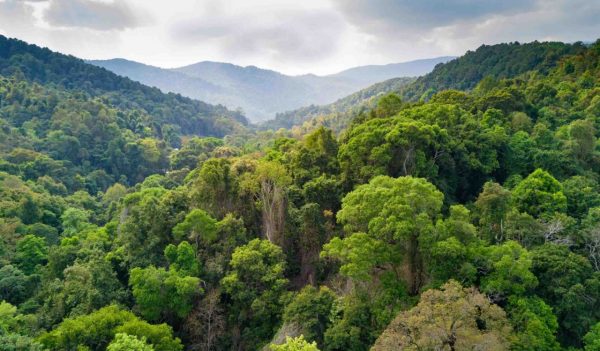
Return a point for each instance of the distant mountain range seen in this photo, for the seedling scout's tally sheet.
(262, 93)
(498, 61)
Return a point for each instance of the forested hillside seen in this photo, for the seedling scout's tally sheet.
(262, 93)
(487, 62)
(338, 114)
(86, 127)
(469, 220)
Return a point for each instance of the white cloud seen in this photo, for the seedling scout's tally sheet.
(319, 36)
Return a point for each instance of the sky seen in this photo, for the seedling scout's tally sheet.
(292, 37)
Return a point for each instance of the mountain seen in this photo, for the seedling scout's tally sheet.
(499, 61)
(378, 73)
(337, 114)
(261, 93)
(66, 119)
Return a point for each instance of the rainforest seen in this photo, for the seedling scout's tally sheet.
(457, 209)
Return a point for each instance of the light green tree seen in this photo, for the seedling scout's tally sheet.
(387, 220)
(125, 342)
(295, 344)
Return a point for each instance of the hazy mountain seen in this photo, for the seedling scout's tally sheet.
(262, 93)
(377, 73)
(498, 61)
(338, 114)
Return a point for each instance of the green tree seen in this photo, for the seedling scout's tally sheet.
(13, 284)
(386, 219)
(493, 203)
(97, 329)
(125, 342)
(569, 285)
(509, 271)
(31, 252)
(592, 338)
(540, 194)
(295, 344)
(534, 324)
(256, 285)
(311, 310)
(198, 226)
(182, 259)
(161, 293)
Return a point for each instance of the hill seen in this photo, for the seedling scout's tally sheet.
(84, 126)
(338, 114)
(377, 73)
(261, 93)
(463, 73)
(498, 61)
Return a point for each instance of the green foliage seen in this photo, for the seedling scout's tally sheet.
(256, 285)
(510, 271)
(114, 194)
(198, 226)
(569, 285)
(31, 251)
(592, 339)
(124, 342)
(310, 309)
(160, 293)
(540, 194)
(97, 329)
(534, 324)
(388, 218)
(182, 259)
(295, 344)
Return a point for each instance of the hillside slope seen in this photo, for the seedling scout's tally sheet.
(262, 93)
(505, 60)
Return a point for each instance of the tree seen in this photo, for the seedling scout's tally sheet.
(453, 318)
(569, 285)
(592, 338)
(387, 218)
(493, 204)
(182, 259)
(125, 342)
(295, 344)
(540, 194)
(13, 284)
(31, 251)
(161, 293)
(75, 221)
(256, 285)
(534, 324)
(311, 310)
(97, 329)
(268, 184)
(509, 271)
(198, 226)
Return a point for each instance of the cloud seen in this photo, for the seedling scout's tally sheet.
(388, 16)
(292, 36)
(91, 14)
(16, 17)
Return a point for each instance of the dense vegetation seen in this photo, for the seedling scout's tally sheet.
(463, 73)
(337, 115)
(470, 221)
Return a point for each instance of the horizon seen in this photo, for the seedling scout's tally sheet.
(315, 37)
(450, 57)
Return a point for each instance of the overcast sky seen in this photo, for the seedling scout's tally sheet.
(293, 37)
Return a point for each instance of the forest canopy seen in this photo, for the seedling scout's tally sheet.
(470, 219)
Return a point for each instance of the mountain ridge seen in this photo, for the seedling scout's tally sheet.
(261, 93)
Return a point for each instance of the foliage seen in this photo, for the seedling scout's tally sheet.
(450, 318)
(295, 344)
